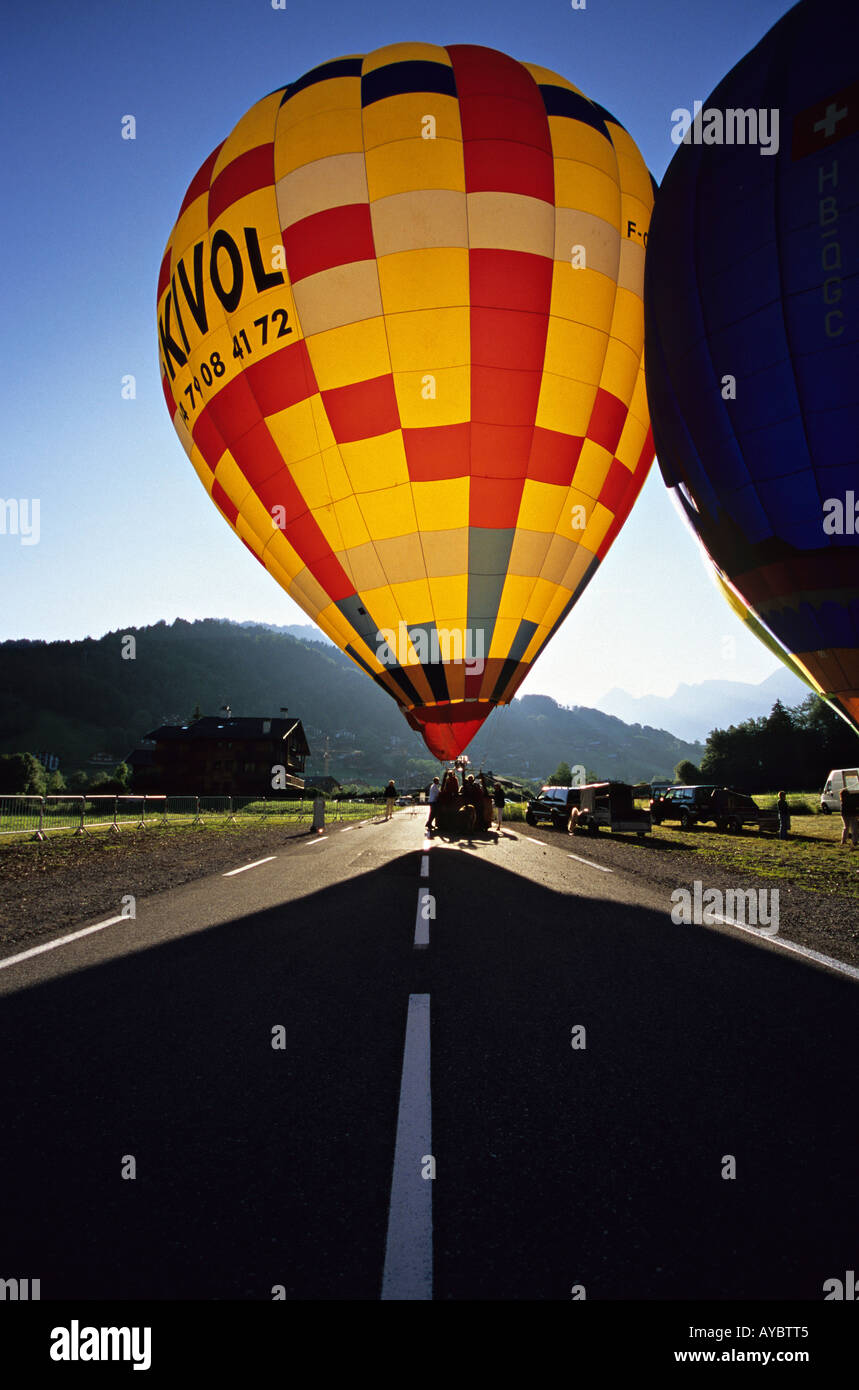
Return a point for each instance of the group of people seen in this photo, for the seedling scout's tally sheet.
(464, 809)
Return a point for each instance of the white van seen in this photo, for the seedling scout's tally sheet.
(830, 797)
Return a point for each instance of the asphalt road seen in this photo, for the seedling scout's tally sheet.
(261, 1167)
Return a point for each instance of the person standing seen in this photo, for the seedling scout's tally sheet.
(849, 816)
(485, 804)
(783, 815)
(390, 799)
(499, 800)
(432, 798)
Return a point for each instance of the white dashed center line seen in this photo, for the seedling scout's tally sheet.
(408, 1268)
(422, 918)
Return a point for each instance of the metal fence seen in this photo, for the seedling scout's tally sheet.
(40, 816)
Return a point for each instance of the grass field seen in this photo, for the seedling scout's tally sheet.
(812, 858)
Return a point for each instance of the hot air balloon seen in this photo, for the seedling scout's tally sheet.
(752, 339)
(400, 323)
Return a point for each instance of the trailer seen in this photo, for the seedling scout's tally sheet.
(610, 804)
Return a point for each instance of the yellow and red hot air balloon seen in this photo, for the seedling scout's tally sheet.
(401, 336)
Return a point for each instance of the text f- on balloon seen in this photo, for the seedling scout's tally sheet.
(752, 328)
(401, 336)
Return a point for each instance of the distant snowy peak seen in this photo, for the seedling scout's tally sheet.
(693, 710)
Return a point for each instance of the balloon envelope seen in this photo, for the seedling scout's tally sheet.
(752, 338)
(401, 338)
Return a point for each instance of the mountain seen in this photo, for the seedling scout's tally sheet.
(534, 734)
(694, 710)
(87, 704)
(306, 632)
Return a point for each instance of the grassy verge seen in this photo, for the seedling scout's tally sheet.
(812, 858)
(250, 818)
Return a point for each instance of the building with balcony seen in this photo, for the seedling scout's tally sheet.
(222, 756)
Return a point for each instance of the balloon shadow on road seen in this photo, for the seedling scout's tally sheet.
(648, 1110)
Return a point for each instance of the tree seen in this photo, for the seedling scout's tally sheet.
(562, 776)
(21, 775)
(122, 775)
(687, 774)
(778, 745)
(790, 748)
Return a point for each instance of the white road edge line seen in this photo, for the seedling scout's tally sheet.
(245, 867)
(317, 841)
(60, 941)
(806, 951)
(535, 842)
(408, 1271)
(421, 922)
(347, 827)
(424, 866)
(590, 863)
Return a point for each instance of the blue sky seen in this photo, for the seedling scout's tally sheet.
(127, 535)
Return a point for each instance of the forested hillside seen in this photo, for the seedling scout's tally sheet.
(84, 700)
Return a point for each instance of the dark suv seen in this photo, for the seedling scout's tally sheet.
(728, 810)
(553, 803)
(689, 805)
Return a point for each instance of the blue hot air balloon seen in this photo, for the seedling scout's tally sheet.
(752, 336)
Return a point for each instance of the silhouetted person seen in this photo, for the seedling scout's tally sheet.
(432, 797)
(471, 798)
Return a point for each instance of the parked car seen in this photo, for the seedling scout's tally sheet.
(689, 805)
(733, 810)
(838, 779)
(552, 804)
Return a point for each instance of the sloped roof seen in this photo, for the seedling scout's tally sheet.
(211, 727)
